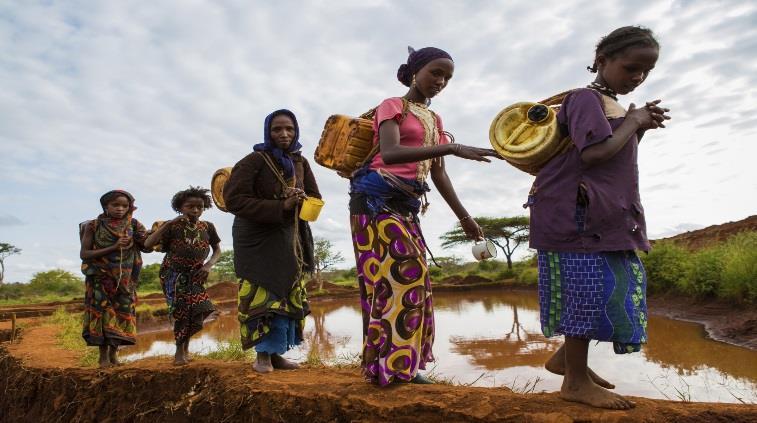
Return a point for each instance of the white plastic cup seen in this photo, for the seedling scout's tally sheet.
(483, 250)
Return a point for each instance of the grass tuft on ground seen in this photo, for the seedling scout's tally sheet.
(70, 337)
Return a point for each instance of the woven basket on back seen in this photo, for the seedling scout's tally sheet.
(216, 186)
(527, 134)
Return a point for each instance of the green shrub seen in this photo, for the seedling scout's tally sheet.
(149, 278)
(435, 272)
(56, 281)
(739, 275)
(529, 276)
(704, 273)
(506, 274)
(487, 265)
(667, 266)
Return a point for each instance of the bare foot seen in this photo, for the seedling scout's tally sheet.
(282, 363)
(186, 351)
(113, 355)
(556, 365)
(588, 392)
(179, 358)
(263, 363)
(103, 361)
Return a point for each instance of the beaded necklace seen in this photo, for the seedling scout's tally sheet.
(192, 233)
(604, 90)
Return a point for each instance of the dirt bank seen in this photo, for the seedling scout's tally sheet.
(40, 382)
(713, 235)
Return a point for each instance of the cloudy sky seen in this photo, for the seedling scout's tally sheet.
(154, 96)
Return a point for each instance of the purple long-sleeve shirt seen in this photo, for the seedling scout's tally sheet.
(614, 216)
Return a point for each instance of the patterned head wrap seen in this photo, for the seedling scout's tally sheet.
(270, 146)
(416, 60)
(110, 195)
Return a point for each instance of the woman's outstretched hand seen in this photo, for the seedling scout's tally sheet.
(473, 153)
(471, 229)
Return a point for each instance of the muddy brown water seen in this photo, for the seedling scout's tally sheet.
(493, 338)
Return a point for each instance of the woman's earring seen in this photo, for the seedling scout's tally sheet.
(413, 83)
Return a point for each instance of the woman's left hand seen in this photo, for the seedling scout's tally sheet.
(204, 271)
(471, 229)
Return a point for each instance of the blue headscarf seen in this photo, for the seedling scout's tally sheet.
(270, 146)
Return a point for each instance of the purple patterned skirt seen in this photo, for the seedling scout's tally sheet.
(395, 295)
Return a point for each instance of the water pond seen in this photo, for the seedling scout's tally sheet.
(492, 338)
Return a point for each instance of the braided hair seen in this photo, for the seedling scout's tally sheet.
(193, 192)
(620, 40)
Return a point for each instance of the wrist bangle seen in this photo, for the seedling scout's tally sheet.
(463, 219)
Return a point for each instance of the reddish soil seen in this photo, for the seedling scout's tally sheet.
(223, 291)
(40, 382)
(712, 235)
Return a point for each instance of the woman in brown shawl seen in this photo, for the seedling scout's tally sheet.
(272, 246)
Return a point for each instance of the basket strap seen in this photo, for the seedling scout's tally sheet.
(556, 99)
(276, 171)
(370, 114)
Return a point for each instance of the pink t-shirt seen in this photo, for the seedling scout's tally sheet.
(411, 135)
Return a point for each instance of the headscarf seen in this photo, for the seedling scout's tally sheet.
(117, 227)
(121, 267)
(416, 60)
(110, 195)
(283, 157)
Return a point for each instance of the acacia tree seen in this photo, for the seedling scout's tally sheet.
(324, 257)
(507, 233)
(6, 250)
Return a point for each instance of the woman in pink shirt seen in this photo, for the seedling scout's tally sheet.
(385, 198)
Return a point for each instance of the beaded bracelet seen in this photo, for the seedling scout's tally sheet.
(465, 218)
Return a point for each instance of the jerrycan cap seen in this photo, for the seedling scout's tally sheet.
(537, 113)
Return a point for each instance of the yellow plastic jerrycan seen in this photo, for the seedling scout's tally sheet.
(527, 135)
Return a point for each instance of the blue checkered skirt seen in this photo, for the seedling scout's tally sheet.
(598, 296)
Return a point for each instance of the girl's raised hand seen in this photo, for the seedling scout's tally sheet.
(124, 242)
(473, 153)
(658, 113)
(651, 116)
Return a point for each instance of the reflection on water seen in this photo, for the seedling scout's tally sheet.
(493, 338)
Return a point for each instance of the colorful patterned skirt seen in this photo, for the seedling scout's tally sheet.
(188, 302)
(395, 295)
(599, 296)
(257, 308)
(109, 313)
